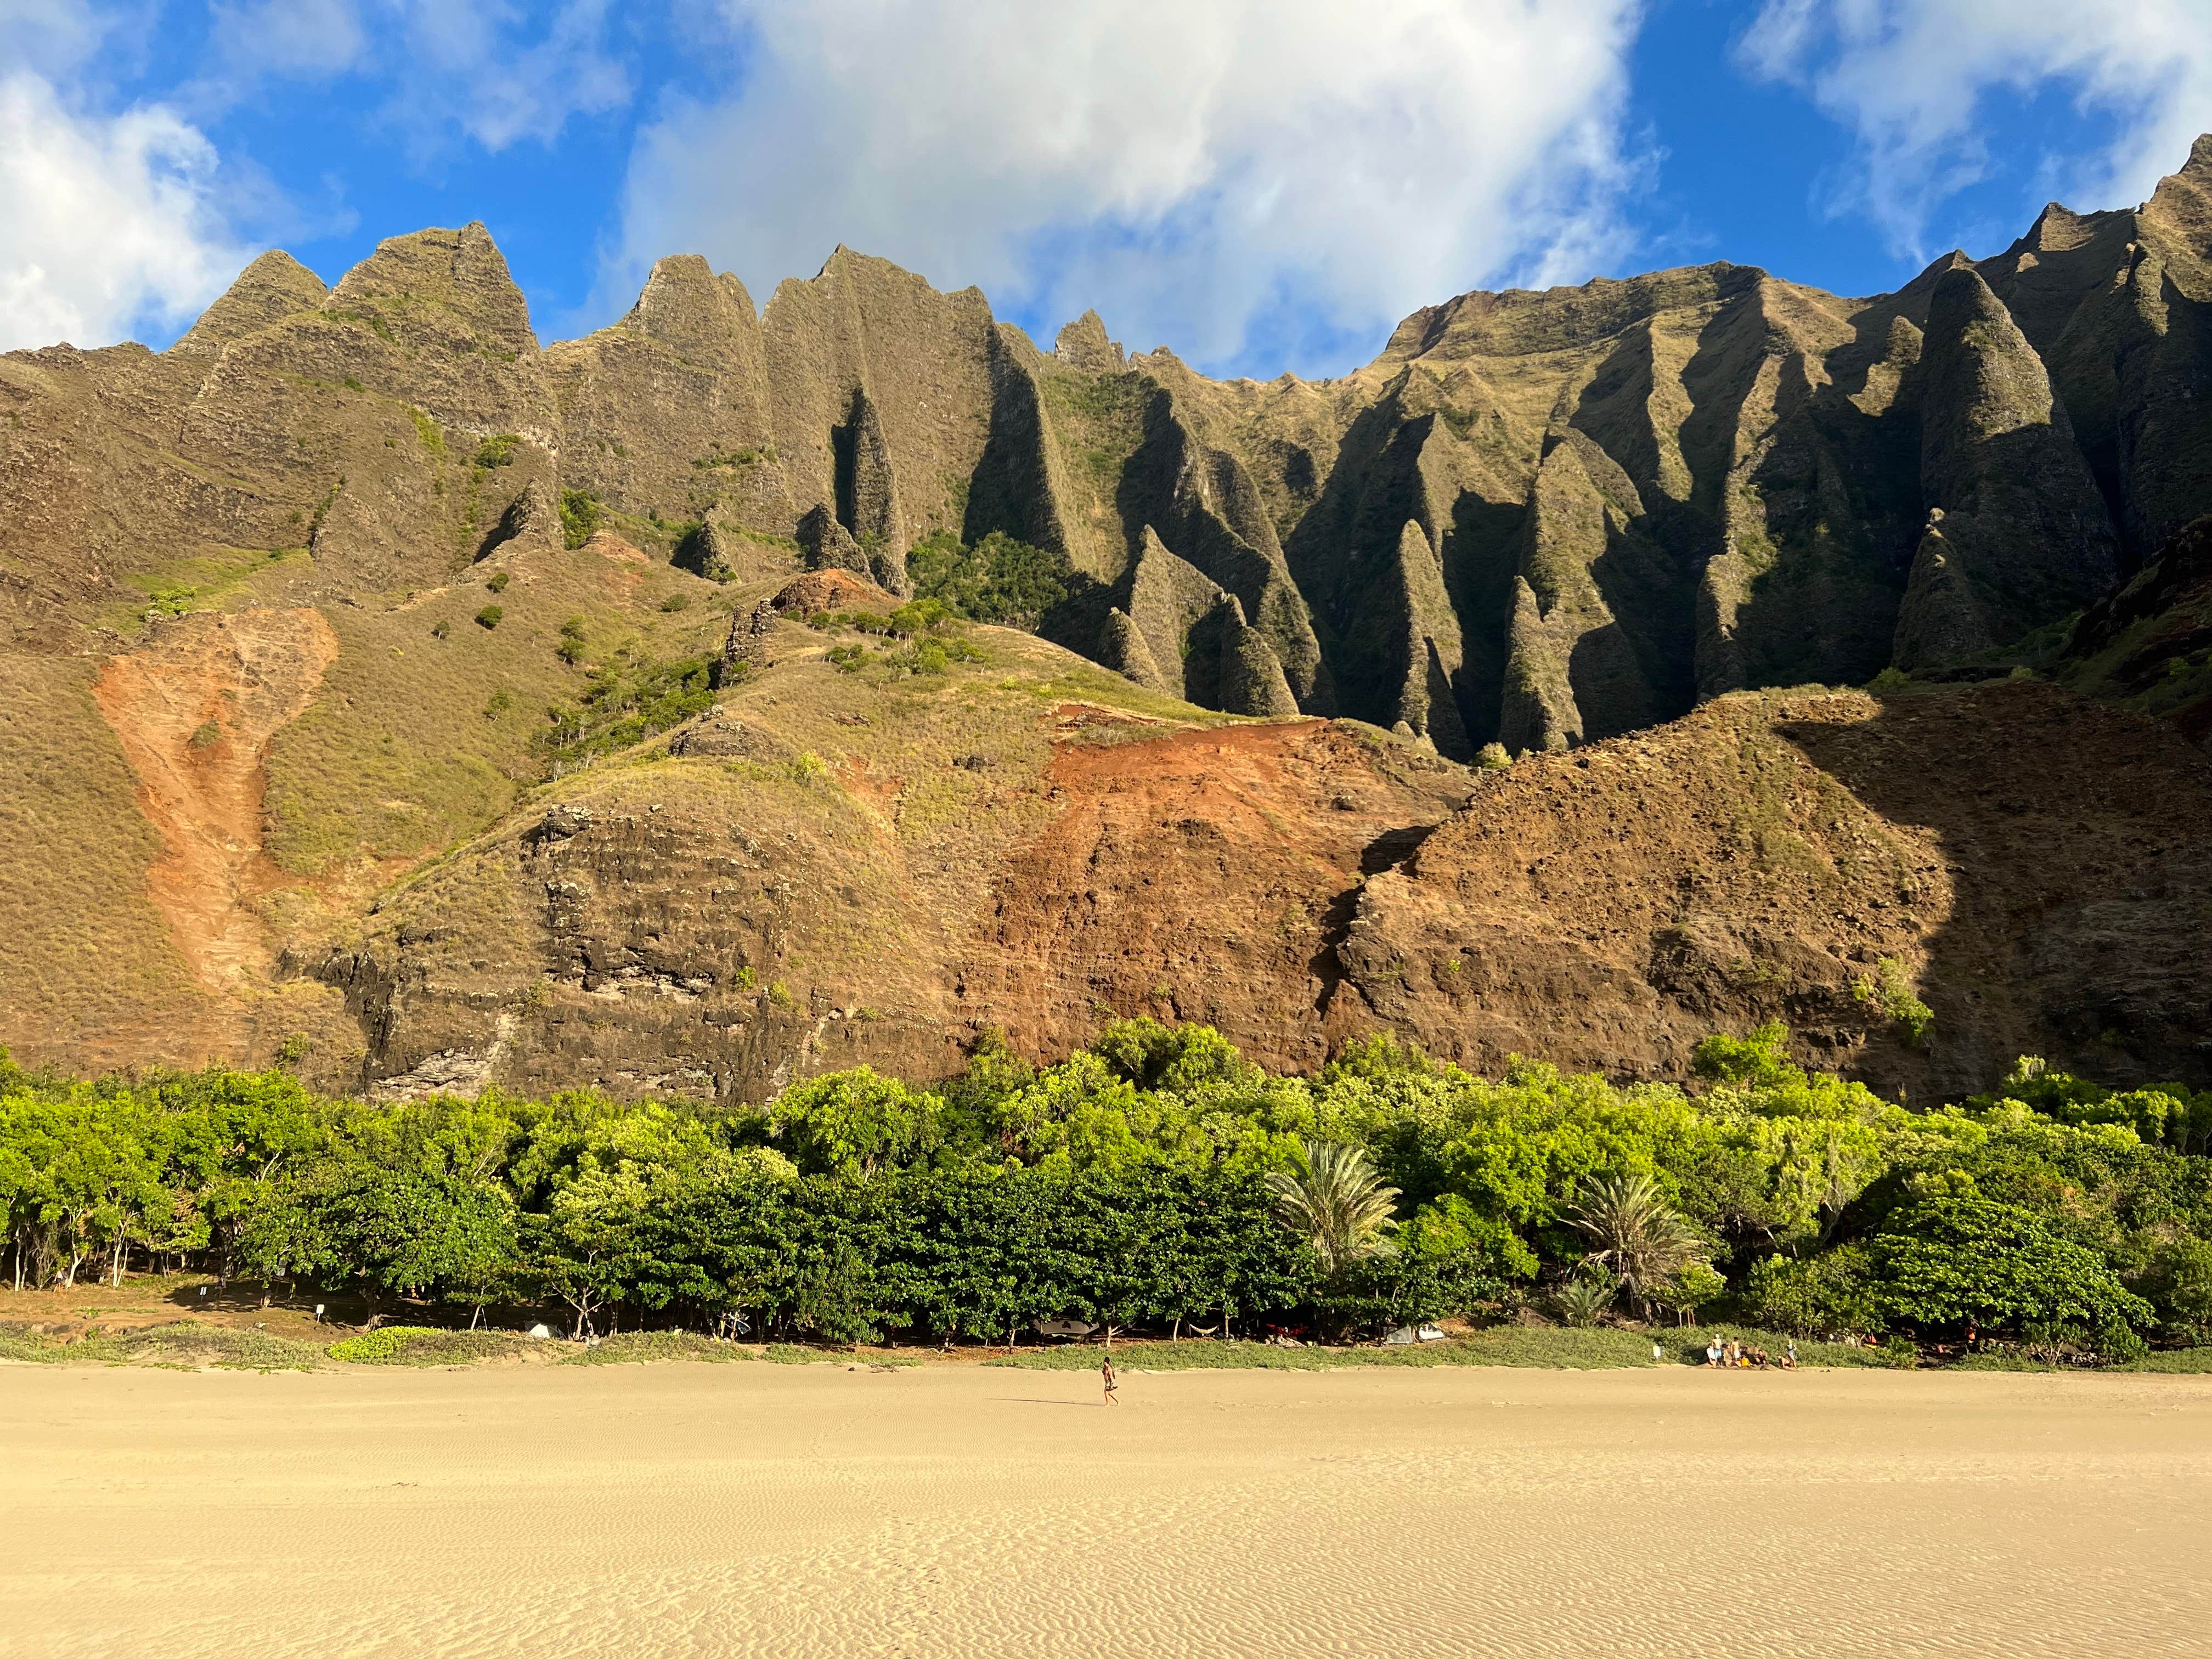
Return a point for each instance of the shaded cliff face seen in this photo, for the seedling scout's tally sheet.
(2148, 644)
(300, 621)
(1762, 857)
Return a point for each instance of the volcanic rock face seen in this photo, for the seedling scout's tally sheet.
(1760, 858)
(2021, 534)
(1554, 521)
(710, 925)
(1633, 494)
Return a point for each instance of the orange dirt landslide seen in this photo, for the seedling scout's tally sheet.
(194, 712)
(1202, 875)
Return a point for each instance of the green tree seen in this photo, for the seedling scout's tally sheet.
(1333, 1198)
(1689, 1288)
(2178, 1283)
(386, 1232)
(1827, 1295)
(852, 1124)
(1635, 1234)
(1956, 1262)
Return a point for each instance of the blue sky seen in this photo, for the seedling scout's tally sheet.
(1260, 184)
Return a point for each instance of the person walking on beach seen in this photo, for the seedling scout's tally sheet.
(1106, 1375)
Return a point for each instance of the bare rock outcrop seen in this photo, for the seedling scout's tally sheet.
(1082, 345)
(274, 286)
(1173, 629)
(669, 409)
(828, 545)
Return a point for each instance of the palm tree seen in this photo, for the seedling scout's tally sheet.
(1636, 1233)
(1587, 1297)
(1338, 1201)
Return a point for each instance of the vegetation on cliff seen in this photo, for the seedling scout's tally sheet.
(999, 579)
(1157, 1180)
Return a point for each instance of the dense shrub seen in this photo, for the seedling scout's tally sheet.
(1826, 1295)
(580, 515)
(999, 579)
(1129, 1184)
(1965, 1262)
(625, 702)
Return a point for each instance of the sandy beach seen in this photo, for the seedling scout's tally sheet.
(759, 1509)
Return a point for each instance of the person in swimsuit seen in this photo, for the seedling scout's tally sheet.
(1106, 1375)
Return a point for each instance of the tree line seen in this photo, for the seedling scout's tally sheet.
(1157, 1181)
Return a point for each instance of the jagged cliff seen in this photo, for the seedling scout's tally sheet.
(249, 584)
(1542, 518)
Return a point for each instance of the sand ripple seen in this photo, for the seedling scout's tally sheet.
(771, 1510)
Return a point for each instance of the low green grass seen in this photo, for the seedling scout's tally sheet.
(424, 1345)
(648, 1347)
(203, 581)
(2006, 1361)
(1542, 1346)
(2171, 1362)
(1566, 1350)
(793, 1353)
(184, 1345)
(187, 1345)
(2178, 1362)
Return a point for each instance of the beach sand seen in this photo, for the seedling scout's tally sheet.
(758, 1508)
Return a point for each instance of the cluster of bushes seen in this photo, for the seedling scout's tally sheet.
(1000, 580)
(582, 513)
(927, 628)
(625, 701)
(1159, 1180)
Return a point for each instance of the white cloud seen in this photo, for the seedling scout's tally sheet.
(497, 71)
(473, 63)
(106, 222)
(1188, 167)
(49, 36)
(302, 39)
(1909, 78)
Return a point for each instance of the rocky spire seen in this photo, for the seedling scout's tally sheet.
(2019, 535)
(1082, 345)
(273, 287)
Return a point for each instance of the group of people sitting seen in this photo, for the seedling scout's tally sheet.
(1733, 1353)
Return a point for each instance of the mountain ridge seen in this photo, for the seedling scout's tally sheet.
(1543, 521)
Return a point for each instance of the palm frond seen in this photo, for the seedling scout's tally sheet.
(1636, 1234)
(1337, 1202)
(1587, 1297)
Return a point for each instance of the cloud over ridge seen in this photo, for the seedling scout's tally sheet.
(1192, 170)
(1910, 79)
(106, 221)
